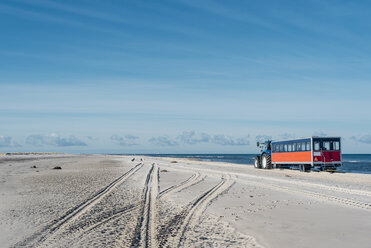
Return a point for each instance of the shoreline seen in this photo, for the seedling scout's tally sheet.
(198, 157)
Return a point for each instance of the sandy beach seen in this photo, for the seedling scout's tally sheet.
(112, 201)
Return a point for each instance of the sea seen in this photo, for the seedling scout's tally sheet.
(352, 163)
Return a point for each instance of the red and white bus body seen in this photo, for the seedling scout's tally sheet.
(314, 152)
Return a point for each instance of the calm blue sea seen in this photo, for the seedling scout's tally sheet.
(355, 163)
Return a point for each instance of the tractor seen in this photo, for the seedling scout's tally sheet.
(264, 160)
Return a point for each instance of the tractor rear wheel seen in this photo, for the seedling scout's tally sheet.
(257, 163)
(266, 162)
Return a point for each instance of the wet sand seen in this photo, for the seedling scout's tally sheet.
(111, 201)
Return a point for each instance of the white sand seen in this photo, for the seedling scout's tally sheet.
(110, 201)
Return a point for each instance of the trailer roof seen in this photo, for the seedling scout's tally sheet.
(305, 138)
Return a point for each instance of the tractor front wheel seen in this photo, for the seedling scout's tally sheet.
(257, 163)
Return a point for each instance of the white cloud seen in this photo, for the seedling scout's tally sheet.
(127, 140)
(53, 140)
(262, 138)
(225, 140)
(163, 141)
(191, 137)
(6, 141)
(286, 136)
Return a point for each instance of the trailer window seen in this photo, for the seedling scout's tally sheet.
(294, 147)
(303, 146)
(281, 148)
(326, 146)
(336, 145)
(285, 148)
(289, 147)
(298, 147)
(308, 146)
(316, 145)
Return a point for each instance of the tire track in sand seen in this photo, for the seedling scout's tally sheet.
(194, 179)
(172, 235)
(83, 235)
(198, 207)
(295, 190)
(145, 231)
(42, 236)
(315, 195)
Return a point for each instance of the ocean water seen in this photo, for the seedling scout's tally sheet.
(352, 163)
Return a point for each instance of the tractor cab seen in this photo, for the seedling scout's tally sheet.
(265, 147)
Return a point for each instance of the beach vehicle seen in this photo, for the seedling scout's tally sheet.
(305, 154)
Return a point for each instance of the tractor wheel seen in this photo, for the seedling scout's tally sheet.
(266, 162)
(257, 163)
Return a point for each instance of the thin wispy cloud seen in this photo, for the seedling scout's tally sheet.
(80, 11)
(118, 17)
(366, 139)
(319, 133)
(226, 11)
(57, 19)
(31, 14)
(53, 140)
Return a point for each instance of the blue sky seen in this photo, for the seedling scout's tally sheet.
(182, 76)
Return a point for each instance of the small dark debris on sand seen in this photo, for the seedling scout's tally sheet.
(163, 170)
(57, 168)
(33, 166)
(133, 160)
(287, 175)
(174, 162)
